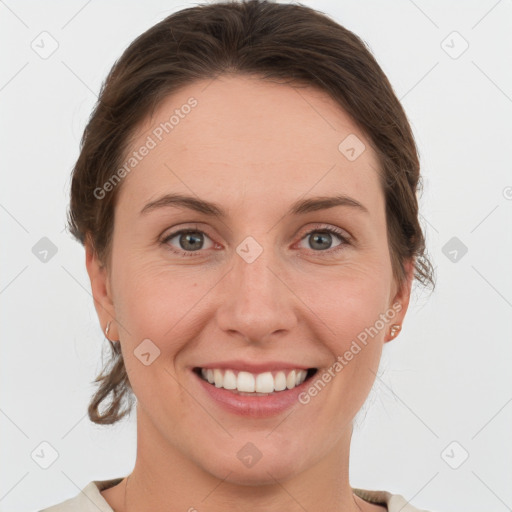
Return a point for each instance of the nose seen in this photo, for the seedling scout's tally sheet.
(258, 304)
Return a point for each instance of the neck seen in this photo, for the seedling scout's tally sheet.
(166, 479)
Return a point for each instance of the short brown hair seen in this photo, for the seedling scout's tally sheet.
(289, 42)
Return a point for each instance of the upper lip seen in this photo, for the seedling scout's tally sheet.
(246, 366)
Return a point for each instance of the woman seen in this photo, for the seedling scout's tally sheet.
(267, 136)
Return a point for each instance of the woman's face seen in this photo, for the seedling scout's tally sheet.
(259, 284)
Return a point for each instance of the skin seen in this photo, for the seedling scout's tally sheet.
(254, 147)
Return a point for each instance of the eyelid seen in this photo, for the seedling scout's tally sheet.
(174, 232)
(345, 237)
(319, 226)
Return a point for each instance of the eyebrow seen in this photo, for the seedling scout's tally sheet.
(300, 207)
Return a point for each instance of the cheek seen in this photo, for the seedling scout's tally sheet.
(351, 312)
(348, 302)
(153, 305)
(156, 303)
(151, 299)
(165, 308)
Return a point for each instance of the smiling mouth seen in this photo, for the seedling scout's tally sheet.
(261, 384)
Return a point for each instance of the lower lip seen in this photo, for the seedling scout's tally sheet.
(253, 406)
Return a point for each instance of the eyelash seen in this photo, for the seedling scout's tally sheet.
(335, 231)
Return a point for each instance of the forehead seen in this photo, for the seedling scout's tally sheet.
(239, 136)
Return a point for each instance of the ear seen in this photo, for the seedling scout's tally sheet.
(101, 290)
(399, 300)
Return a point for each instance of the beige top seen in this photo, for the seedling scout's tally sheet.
(90, 500)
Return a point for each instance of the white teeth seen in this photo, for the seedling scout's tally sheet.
(229, 380)
(217, 376)
(246, 382)
(280, 381)
(290, 380)
(264, 383)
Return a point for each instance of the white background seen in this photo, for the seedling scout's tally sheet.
(447, 377)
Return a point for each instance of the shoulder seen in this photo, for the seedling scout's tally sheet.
(393, 502)
(89, 499)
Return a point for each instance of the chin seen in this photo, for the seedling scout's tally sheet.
(265, 467)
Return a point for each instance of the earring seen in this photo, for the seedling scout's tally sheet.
(395, 329)
(106, 330)
(116, 346)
